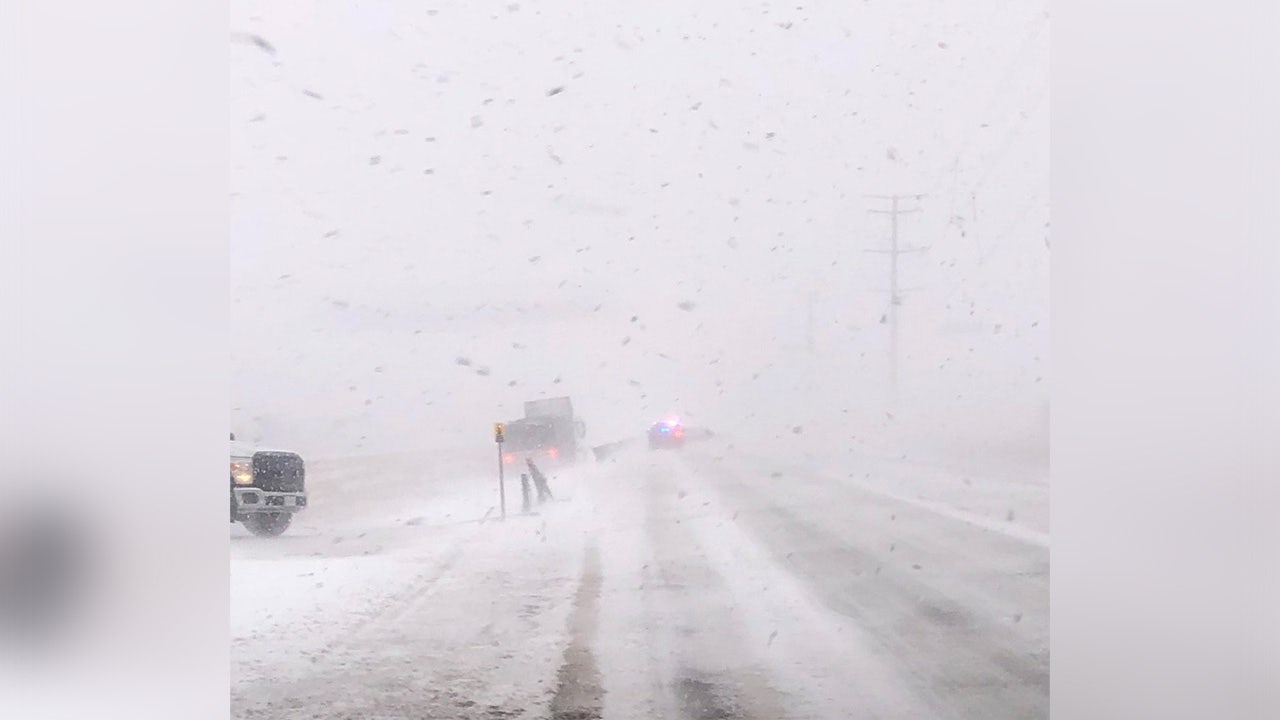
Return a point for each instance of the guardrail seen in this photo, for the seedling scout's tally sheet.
(608, 450)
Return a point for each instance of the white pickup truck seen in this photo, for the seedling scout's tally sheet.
(267, 488)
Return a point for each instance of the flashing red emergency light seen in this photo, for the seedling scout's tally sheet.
(552, 452)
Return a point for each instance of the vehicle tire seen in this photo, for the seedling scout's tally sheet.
(268, 524)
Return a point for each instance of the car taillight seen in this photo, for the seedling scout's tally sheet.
(508, 458)
(552, 452)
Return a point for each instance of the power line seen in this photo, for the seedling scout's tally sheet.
(1015, 64)
(992, 161)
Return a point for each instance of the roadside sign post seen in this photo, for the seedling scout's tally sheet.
(499, 436)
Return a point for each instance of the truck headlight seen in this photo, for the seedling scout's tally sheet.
(241, 473)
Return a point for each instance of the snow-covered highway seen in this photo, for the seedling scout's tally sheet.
(697, 584)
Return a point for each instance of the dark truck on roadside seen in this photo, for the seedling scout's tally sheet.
(549, 434)
(267, 488)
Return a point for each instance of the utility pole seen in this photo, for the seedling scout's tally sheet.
(895, 299)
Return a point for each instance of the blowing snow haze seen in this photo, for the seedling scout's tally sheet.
(678, 212)
(440, 210)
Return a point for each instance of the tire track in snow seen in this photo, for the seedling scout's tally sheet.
(949, 511)
(964, 661)
(958, 657)
(403, 601)
(579, 694)
(476, 636)
(715, 677)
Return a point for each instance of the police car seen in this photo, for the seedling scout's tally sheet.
(668, 433)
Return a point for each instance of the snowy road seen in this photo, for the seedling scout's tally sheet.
(699, 584)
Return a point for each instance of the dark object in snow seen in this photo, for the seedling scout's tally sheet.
(540, 481)
(313, 94)
(375, 159)
(797, 429)
(465, 362)
(257, 41)
(555, 90)
(483, 372)
(414, 521)
(686, 305)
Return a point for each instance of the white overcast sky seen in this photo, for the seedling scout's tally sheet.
(513, 182)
